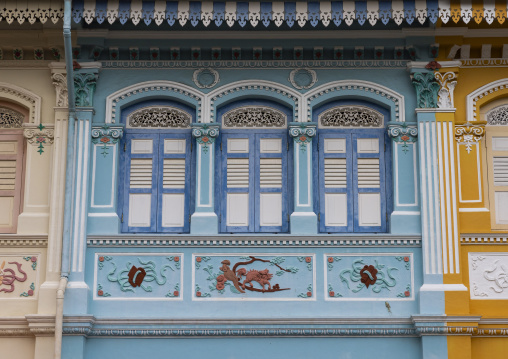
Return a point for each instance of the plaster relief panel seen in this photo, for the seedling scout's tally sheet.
(253, 277)
(488, 275)
(138, 276)
(369, 277)
(18, 276)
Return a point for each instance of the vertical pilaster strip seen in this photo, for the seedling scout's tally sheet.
(303, 219)
(204, 219)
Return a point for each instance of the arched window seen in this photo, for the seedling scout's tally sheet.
(351, 166)
(12, 118)
(157, 183)
(254, 157)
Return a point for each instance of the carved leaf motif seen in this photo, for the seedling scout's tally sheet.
(10, 118)
(249, 116)
(351, 116)
(165, 116)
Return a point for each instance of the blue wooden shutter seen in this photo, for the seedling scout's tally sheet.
(140, 183)
(271, 183)
(369, 181)
(237, 207)
(335, 182)
(174, 182)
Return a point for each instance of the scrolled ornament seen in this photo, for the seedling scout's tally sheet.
(302, 133)
(205, 134)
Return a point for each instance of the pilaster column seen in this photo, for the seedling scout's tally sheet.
(76, 296)
(204, 219)
(303, 220)
(406, 216)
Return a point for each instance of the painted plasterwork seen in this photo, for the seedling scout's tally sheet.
(18, 276)
(488, 275)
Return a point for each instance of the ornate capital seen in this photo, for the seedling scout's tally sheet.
(427, 88)
(60, 83)
(39, 136)
(403, 133)
(205, 134)
(84, 83)
(107, 136)
(447, 82)
(302, 132)
(468, 134)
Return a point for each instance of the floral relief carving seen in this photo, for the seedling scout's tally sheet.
(39, 136)
(498, 116)
(60, 83)
(403, 133)
(254, 116)
(469, 134)
(302, 133)
(10, 118)
(351, 116)
(427, 88)
(107, 136)
(205, 134)
(488, 275)
(447, 81)
(16, 280)
(85, 84)
(159, 116)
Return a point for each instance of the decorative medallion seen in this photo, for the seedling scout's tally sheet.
(403, 133)
(253, 277)
(302, 79)
(498, 116)
(469, 134)
(351, 116)
(205, 134)
(10, 118)
(205, 78)
(39, 136)
(302, 133)
(369, 277)
(107, 136)
(159, 116)
(138, 277)
(254, 116)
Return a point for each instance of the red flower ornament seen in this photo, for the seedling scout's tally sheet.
(309, 294)
(308, 259)
(332, 294)
(176, 293)
(404, 138)
(177, 259)
(101, 259)
(100, 293)
(105, 139)
(30, 292)
(198, 259)
(407, 293)
(330, 259)
(198, 294)
(406, 259)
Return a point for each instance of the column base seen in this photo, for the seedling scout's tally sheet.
(204, 223)
(304, 223)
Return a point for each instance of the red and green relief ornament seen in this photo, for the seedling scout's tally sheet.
(39, 54)
(17, 54)
(205, 135)
(303, 133)
(404, 134)
(107, 136)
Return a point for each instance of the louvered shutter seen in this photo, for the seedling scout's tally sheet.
(174, 183)
(500, 176)
(335, 182)
(271, 183)
(140, 183)
(369, 182)
(237, 210)
(11, 160)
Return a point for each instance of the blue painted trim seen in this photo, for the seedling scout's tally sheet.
(171, 12)
(147, 11)
(219, 8)
(194, 12)
(265, 13)
(290, 13)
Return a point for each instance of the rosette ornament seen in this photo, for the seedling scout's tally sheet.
(302, 132)
(403, 133)
(205, 134)
(107, 136)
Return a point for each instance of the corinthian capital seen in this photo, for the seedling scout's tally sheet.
(60, 83)
(447, 82)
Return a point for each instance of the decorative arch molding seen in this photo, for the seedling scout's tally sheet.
(359, 89)
(259, 88)
(150, 89)
(485, 94)
(24, 98)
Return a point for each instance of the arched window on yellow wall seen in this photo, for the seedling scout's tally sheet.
(496, 115)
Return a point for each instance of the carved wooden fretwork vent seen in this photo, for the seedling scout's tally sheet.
(255, 117)
(10, 118)
(350, 116)
(159, 116)
(498, 116)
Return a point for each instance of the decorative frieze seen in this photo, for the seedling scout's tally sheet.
(10, 118)
(107, 136)
(403, 133)
(427, 88)
(351, 116)
(254, 117)
(60, 83)
(498, 116)
(205, 134)
(85, 84)
(447, 82)
(302, 132)
(159, 116)
(39, 136)
(469, 134)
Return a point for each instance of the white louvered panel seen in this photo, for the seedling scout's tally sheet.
(335, 173)
(368, 173)
(7, 175)
(238, 172)
(174, 173)
(500, 171)
(270, 172)
(141, 173)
